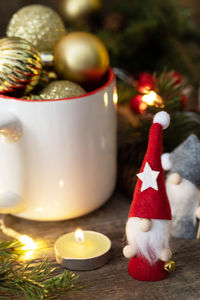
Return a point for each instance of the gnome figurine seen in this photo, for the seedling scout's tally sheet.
(147, 228)
(182, 184)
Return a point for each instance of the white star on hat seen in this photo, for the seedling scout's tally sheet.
(148, 178)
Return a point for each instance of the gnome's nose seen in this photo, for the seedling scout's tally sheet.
(145, 224)
(175, 178)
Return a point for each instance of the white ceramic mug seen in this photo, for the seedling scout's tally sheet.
(58, 157)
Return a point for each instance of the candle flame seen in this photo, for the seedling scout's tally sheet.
(79, 236)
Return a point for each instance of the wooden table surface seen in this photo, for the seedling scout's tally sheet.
(112, 282)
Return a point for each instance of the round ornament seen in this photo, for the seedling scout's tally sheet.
(46, 78)
(81, 57)
(20, 65)
(79, 11)
(60, 89)
(38, 24)
(32, 97)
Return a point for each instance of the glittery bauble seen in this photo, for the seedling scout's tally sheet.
(78, 11)
(46, 78)
(81, 57)
(61, 89)
(38, 24)
(32, 97)
(20, 65)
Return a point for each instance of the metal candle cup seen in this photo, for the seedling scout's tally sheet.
(83, 250)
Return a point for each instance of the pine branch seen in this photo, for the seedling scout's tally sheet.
(34, 281)
(9, 249)
(60, 283)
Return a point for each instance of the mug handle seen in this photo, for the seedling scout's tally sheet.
(10, 132)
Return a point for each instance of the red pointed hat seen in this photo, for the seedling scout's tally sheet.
(150, 198)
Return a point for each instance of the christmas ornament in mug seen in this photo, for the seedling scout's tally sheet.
(47, 76)
(148, 222)
(81, 57)
(32, 97)
(38, 24)
(183, 184)
(62, 151)
(61, 89)
(20, 65)
(83, 250)
(79, 11)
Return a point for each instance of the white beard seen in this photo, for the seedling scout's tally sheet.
(148, 244)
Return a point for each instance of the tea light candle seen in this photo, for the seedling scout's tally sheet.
(82, 250)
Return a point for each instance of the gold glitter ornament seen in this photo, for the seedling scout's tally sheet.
(38, 24)
(32, 97)
(60, 89)
(81, 57)
(20, 65)
(79, 11)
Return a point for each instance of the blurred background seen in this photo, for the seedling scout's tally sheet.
(10, 7)
(139, 36)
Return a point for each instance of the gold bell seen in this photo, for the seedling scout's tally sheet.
(169, 266)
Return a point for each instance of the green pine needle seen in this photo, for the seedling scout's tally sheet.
(34, 281)
(10, 249)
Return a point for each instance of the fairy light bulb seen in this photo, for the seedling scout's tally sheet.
(152, 98)
(27, 242)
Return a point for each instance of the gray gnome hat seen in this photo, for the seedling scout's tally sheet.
(186, 160)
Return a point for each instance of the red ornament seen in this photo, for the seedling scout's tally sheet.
(137, 105)
(145, 83)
